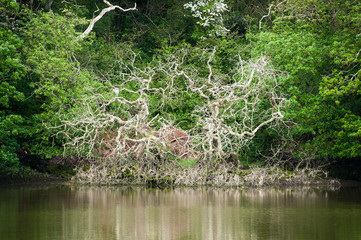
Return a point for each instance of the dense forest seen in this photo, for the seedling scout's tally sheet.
(123, 87)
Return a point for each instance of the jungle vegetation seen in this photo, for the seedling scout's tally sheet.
(180, 84)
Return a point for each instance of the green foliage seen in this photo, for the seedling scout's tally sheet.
(9, 5)
(187, 163)
(8, 157)
(52, 50)
(317, 43)
(11, 71)
(45, 69)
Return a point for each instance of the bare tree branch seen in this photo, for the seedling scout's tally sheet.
(268, 14)
(101, 14)
(240, 100)
(121, 124)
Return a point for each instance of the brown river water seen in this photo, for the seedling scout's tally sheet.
(66, 212)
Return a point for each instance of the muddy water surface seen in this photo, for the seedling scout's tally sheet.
(64, 212)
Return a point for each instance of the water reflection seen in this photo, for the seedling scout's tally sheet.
(138, 213)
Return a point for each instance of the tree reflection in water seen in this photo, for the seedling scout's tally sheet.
(182, 213)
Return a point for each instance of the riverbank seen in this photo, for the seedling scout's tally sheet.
(220, 176)
(26, 176)
(45, 179)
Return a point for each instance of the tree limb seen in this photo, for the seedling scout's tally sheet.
(101, 14)
(268, 14)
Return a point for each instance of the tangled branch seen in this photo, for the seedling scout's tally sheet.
(236, 107)
(119, 120)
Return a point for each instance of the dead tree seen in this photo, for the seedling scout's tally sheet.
(115, 119)
(236, 106)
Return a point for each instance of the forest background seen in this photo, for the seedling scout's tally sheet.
(304, 109)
